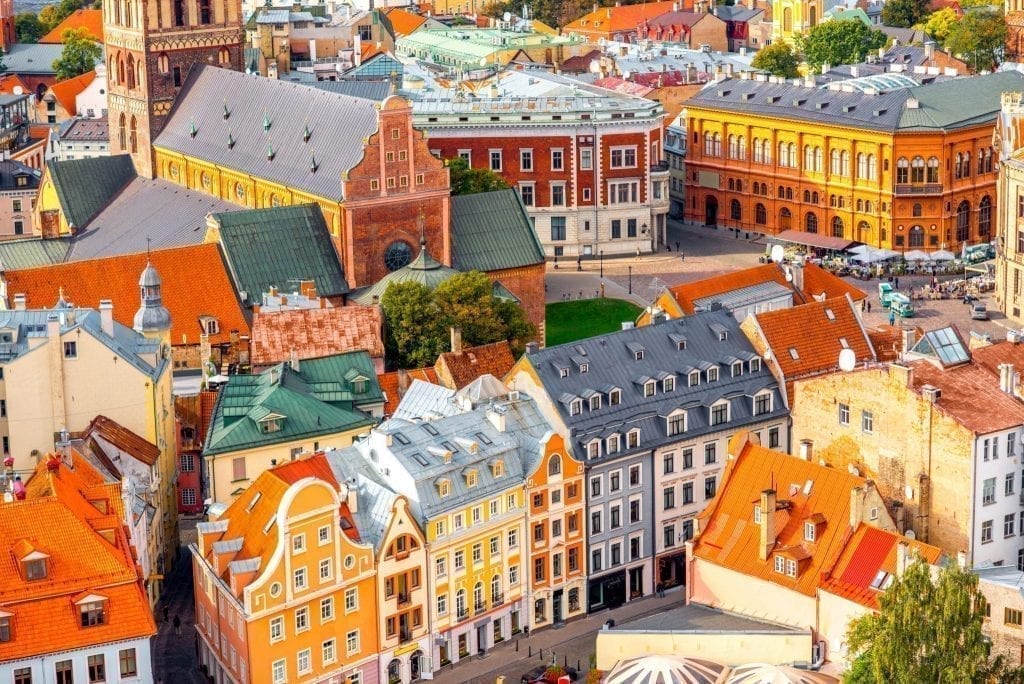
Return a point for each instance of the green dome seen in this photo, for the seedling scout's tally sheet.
(424, 269)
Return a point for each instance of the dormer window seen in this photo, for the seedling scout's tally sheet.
(793, 354)
(693, 379)
(791, 567)
(810, 531)
(757, 514)
(754, 365)
(638, 355)
(35, 569)
(649, 388)
(780, 564)
(763, 404)
(471, 478)
(668, 384)
(632, 439)
(612, 444)
(712, 374)
(680, 345)
(676, 423)
(594, 449)
(359, 386)
(444, 488)
(498, 468)
(584, 367)
(209, 325)
(720, 413)
(595, 402)
(5, 627)
(723, 335)
(615, 397)
(93, 611)
(737, 368)
(575, 407)
(271, 423)
(563, 372)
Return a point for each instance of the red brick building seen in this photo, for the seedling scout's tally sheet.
(587, 163)
(192, 420)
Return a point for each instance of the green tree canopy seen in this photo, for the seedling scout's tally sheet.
(51, 15)
(844, 41)
(28, 28)
(978, 38)
(904, 13)
(778, 59)
(939, 24)
(418, 320)
(79, 56)
(926, 631)
(469, 181)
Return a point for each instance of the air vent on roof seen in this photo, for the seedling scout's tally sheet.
(747, 96)
(849, 108)
(830, 314)
(879, 112)
(821, 105)
(772, 99)
(724, 93)
(799, 101)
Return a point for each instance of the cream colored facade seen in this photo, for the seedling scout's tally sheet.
(1010, 212)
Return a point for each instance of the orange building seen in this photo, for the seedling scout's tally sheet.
(285, 589)
(877, 160)
(557, 564)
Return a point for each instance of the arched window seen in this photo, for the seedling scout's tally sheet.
(933, 169)
(224, 56)
(988, 161)
(122, 133)
(873, 167)
(792, 155)
(985, 216)
(808, 158)
(837, 227)
(967, 165)
(958, 165)
(718, 144)
(917, 236)
(787, 20)
(818, 157)
(862, 165)
(902, 170)
(812, 16)
(741, 146)
(917, 170)
(709, 144)
(760, 215)
(460, 603)
(860, 204)
(757, 151)
(496, 589)
(478, 596)
(963, 221)
(833, 161)
(916, 210)
(133, 136)
(783, 159)
(811, 222)
(732, 184)
(814, 197)
(782, 192)
(883, 235)
(844, 163)
(981, 161)
(735, 210)
(555, 464)
(163, 63)
(831, 200)
(807, 196)
(733, 151)
(867, 206)
(131, 73)
(785, 219)
(120, 70)
(789, 193)
(863, 228)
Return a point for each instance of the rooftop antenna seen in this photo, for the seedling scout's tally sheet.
(148, 243)
(423, 233)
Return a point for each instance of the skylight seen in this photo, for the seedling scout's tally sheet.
(943, 344)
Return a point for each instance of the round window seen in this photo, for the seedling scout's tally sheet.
(275, 589)
(240, 191)
(397, 255)
(205, 180)
(350, 562)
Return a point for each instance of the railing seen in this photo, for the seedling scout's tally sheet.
(462, 615)
(926, 189)
(480, 608)
(404, 636)
(497, 599)
(660, 166)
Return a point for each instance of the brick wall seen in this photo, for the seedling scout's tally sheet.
(527, 284)
(1007, 640)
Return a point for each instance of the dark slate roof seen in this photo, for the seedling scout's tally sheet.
(278, 246)
(942, 105)
(492, 231)
(338, 124)
(736, 12)
(85, 130)
(368, 90)
(85, 186)
(906, 36)
(32, 58)
(612, 364)
(10, 170)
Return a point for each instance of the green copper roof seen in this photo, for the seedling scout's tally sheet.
(18, 254)
(278, 247)
(85, 186)
(323, 376)
(281, 405)
(424, 269)
(491, 231)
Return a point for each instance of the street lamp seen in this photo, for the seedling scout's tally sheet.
(601, 254)
(630, 279)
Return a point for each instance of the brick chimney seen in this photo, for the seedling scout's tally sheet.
(19, 302)
(856, 506)
(767, 524)
(456, 339)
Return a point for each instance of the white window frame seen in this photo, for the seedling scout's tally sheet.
(524, 155)
(586, 158)
(490, 160)
(623, 151)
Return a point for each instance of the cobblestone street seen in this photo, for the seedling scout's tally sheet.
(174, 657)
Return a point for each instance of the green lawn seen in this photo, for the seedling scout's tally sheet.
(570, 321)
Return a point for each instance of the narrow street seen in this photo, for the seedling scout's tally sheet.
(175, 658)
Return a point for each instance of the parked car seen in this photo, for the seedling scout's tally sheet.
(979, 312)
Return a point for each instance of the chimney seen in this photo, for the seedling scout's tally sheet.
(456, 339)
(806, 449)
(1006, 378)
(19, 302)
(293, 360)
(909, 339)
(825, 68)
(595, 8)
(856, 506)
(532, 348)
(902, 557)
(496, 417)
(798, 275)
(107, 317)
(307, 288)
(767, 524)
(929, 49)
(352, 499)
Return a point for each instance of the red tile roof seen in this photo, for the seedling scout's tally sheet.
(8, 82)
(395, 383)
(463, 368)
(807, 340)
(89, 19)
(62, 524)
(971, 396)
(195, 283)
(313, 333)
(991, 356)
(123, 438)
(404, 22)
(608, 20)
(818, 284)
(888, 341)
(68, 90)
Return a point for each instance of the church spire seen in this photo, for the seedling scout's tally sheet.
(151, 317)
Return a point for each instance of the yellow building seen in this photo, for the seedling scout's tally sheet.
(268, 418)
(56, 369)
(1010, 218)
(790, 18)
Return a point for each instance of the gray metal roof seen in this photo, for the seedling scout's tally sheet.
(368, 90)
(338, 124)
(159, 210)
(611, 364)
(426, 401)
(698, 618)
(375, 497)
(744, 296)
(941, 105)
(491, 231)
(32, 58)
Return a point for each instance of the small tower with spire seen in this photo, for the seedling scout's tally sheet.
(152, 319)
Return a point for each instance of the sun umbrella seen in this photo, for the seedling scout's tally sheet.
(917, 255)
(942, 255)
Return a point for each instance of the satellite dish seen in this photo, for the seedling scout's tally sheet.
(625, 75)
(778, 253)
(506, 16)
(18, 90)
(789, 275)
(910, 534)
(847, 360)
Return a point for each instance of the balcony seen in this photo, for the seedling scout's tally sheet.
(462, 616)
(660, 168)
(404, 636)
(497, 599)
(919, 189)
(480, 608)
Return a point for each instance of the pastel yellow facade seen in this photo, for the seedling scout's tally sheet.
(790, 18)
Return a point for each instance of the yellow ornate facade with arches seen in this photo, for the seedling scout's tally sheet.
(793, 17)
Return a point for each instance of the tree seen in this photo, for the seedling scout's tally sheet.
(79, 56)
(978, 38)
(28, 28)
(469, 181)
(939, 24)
(844, 41)
(904, 13)
(418, 320)
(926, 631)
(51, 15)
(777, 59)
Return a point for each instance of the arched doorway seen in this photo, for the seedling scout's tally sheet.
(395, 671)
(710, 211)
(785, 219)
(414, 665)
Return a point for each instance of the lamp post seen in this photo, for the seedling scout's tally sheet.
(601, 255)
(630, 279)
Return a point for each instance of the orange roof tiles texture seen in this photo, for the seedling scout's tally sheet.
(815, 337)
(89, 19)
(404, 22)
(495, 359)
(818, 282)
(66, 91)
(195, 283)
(394, 385)
(619, 18)
(991, 356)
(8, 82)
(313, 333)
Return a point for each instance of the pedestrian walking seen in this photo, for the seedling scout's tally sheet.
(869, 306)
(892, 318)
(177, 626)
(677, 245)
(897, 282)
(166, 609)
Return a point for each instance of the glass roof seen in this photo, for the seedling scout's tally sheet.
(886, 81)
(945, 345)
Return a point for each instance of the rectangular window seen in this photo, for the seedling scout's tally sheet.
(595, 522)
(279, 672)
(303, 661)
(587, 159)
(327, 607)
(97, 668)
(276, 629)
(670, 536)
(301, 619)
(773, 438)
(844, 414)
(668, 464)
(634, 511)
(1008, 523)
(762, 404)
(616, 229)
(1008, 484)
(526, 193)
(595, 561)
(17, 205)
(495, 160)
(328, 652)
(300, 578)
(129, 666)
(558, 195)
(71, 350)
(710, 487)
(557, 228)
(93, 614)
(352, 642)
(557, 160)
(64, 671)
(710, 453)
(631, 227)
(238, 469)
(687, 493)
(867, 422)
(23, 675)
(1011, 616)
(988, 491)
(986, 532)
(668, 497)
(525, 160)
(623, 157)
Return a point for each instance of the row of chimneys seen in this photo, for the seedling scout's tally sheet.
(106, 312)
